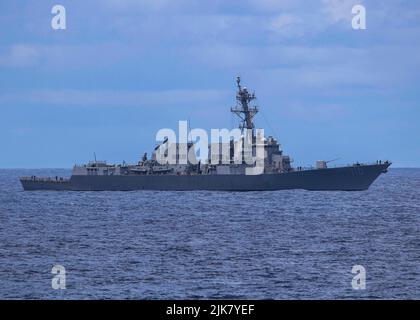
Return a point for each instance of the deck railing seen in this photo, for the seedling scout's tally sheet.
(46, 179)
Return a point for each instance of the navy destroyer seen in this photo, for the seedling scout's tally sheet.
(219, 171)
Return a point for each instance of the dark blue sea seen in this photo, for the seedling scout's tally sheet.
(199, 245)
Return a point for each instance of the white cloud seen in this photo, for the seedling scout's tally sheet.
(273, 56)
(287, 25)
(340, 10)
(314, 112)
(67, 56)
(238, 43)
(183, 6)
(19, 55)
(101, 98)
(275, 5)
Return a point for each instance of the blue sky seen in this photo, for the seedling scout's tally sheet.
(123, 69)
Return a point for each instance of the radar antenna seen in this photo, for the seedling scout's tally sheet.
(243, 109)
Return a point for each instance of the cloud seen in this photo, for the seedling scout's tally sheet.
(314, 112)
(183, 6)
(142, 4)
(88, 98)
(340, 10)
(287, 25)
(285, 17)
(294, 48)
(67, 56)
(19, 55)
(276, 5)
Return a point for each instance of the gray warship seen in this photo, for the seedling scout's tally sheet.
(218, 172)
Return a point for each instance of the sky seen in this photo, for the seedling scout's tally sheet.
(123, 69)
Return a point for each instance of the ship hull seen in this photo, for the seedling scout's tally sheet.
(352, 178)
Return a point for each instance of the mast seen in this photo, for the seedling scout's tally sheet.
(243, 109)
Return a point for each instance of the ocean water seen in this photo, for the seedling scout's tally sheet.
(199, 245)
